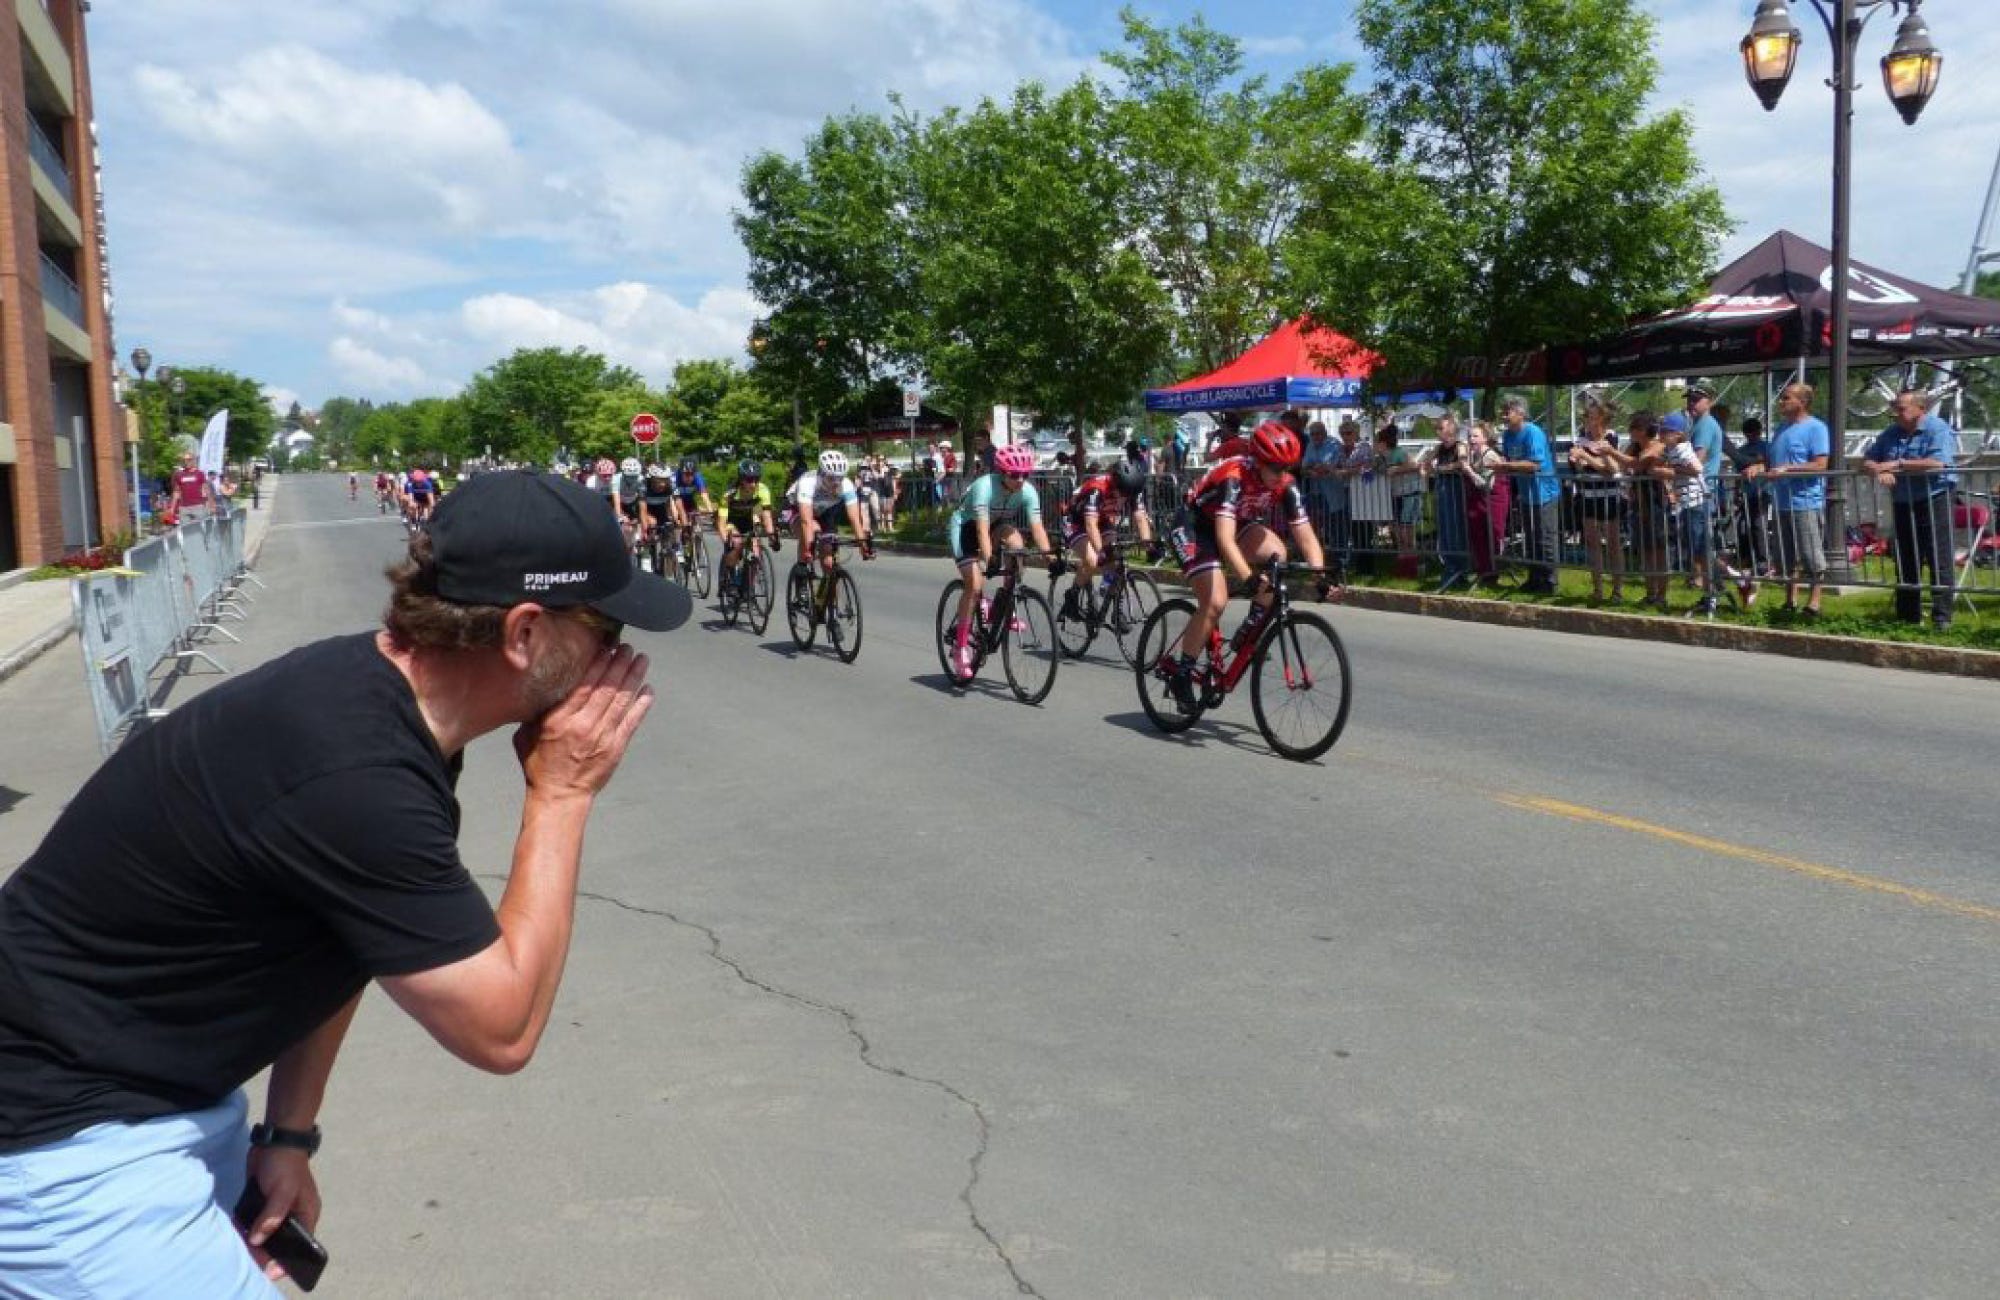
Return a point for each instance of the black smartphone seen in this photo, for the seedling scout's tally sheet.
(303, 1258)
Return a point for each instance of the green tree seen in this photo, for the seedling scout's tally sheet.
(539, 400)
(828, 247)
(752, 421)
(339, 425)
(689, 424)
(1228, 178)
(607, 428)
(1532, 197)
(1032, 289)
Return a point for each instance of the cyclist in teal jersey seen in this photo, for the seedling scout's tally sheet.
(994, 508)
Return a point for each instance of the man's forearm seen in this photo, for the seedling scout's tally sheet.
(538, 909)
(299, 1075)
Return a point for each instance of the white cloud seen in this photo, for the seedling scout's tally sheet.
(628, 323)
(370, 372)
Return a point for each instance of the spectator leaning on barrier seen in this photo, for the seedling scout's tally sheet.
(189, 485)
(1600, 495)
(1795, 466)
(1643, 455)
(1680, 471)
(1487, 494)
(1441, 465)
(1326, 493)
(1914, 458)
(219, 894)
(1529, 459)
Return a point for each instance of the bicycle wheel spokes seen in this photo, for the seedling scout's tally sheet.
(947, 626)
(843, 617)
(1138, 596)
(799, 608)
(1073, 626)
(1159, 642)
(1028, 648)
(759, 597)
(698, 559)
(1299, 686)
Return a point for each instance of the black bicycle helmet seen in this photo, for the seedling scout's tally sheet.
(749, 469)
(1130, 477)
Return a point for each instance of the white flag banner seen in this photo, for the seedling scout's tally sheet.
(213, 439)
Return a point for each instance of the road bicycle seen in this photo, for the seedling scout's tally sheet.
(1300, 685)
(1118, 602)
(833, 601)
(1019, 626)
(1958, 390)
(748, 589)
(693, 558)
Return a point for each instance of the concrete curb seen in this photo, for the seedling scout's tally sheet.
(1640, 627)
(37, 646)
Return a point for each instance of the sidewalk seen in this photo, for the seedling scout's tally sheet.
(36, 617)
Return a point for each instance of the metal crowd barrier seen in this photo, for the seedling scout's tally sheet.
(173, 592)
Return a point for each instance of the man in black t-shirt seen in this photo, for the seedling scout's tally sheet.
(219, 894)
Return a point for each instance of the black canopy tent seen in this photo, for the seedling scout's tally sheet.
(1772, 309)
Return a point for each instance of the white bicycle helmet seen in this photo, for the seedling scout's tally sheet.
(629, 467)
(833, 463)
(656, 470)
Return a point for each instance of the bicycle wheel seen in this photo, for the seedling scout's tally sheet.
(799, 607)
(1159, 643)
(843, 617)
(1299, 686)
(758, 598)
(1138, 596)
(729, 592)
(698, 564)
(1029, 650)
(1074, 630)
(947, 626)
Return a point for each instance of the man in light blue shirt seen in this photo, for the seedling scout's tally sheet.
(1704, 430)
(1795, 467)
(1326, 491)
(1914, 458)
(1536, 490)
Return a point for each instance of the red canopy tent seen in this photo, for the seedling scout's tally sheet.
(1284, 369)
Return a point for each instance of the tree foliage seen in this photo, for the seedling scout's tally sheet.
(538, 401)
(1538, 202)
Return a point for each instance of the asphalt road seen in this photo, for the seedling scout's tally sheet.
(1577, 968)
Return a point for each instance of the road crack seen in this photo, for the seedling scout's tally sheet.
(967, 1195)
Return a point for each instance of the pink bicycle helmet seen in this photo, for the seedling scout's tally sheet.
(1017, 462)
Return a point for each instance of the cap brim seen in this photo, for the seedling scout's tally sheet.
(649, 602)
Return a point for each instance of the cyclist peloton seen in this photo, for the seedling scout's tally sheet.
(994, 508)
(1237, 515)
(744, 508)
(1098, 503)
(823, 498)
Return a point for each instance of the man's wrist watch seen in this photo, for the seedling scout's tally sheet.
(270, 1135)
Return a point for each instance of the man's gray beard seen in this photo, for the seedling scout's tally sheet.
(552, 677)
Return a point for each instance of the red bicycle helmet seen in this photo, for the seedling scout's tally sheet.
(1274, 444)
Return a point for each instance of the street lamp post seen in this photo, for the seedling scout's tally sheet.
(1909, 76)
(142, 361)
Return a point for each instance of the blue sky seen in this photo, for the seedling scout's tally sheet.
(380, 197)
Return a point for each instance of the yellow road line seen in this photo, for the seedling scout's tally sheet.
(1834, 875)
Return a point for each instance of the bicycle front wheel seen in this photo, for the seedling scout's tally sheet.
(1299, 686)
(799, 607)
(1159, 645)
(759, 597)
(698, 562)
(1137, 597)
(1074, 632)
(1030, 651)
(843, 617)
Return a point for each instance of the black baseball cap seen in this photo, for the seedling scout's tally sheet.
(517, 536)
(1701, 388)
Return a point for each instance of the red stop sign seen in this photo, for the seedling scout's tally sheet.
(645, 428)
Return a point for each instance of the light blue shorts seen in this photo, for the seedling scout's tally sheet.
(131, 1210)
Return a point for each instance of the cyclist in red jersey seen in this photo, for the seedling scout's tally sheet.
(1237, 517)
(1099, 502)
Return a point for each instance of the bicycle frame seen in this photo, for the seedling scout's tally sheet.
(1230, 660)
